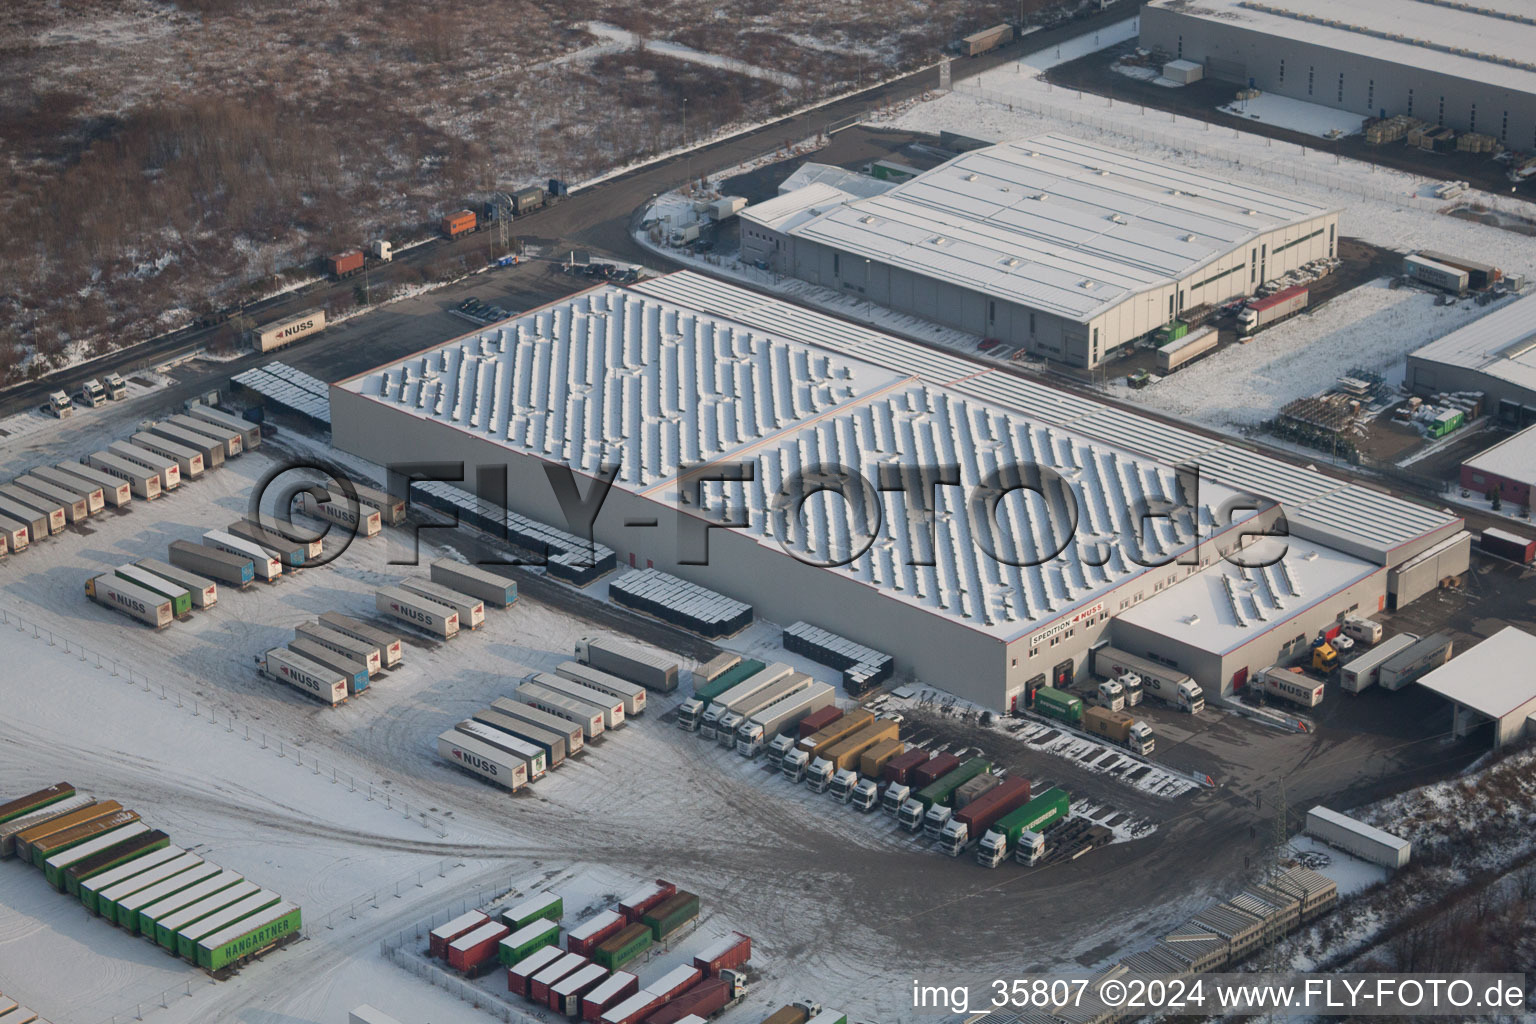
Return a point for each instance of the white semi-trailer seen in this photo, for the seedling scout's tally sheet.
(145, 605)
(299, 672)
(588, 716)
(628, 661)
(728, 723)
(93, 493)
(612, 708)
(188, 460)
(167, 469)
(437, 619)
(205, 593)
(358, 650)
(1160, 681)
(632, 694)
(115, 490)
(267, 567)
(389, 646)
(474, 581)
(707, 714)
(482, 759)
(471, 609)
(533, 756)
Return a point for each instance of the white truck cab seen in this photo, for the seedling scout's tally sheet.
(1112, 696)
(725, 729)
(381, 250)
(688, 713)
(795, 764)
(781, 745)
(116, 389)
(60, 405)
(1141, 739)
(1343, 642)
(934, 821)
(1130, 682)
(93, 394)
(842, 784)
(866, 796)
(819, 776)
(1031, 848)
(954, 837)
(894, 797)
(911, 815)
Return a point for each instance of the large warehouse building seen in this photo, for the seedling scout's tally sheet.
(1495, 355)
(1066, 248)
(977, 591)
(1468, 66)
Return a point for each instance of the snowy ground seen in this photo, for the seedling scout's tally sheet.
(1297, 115)
(1352, 874)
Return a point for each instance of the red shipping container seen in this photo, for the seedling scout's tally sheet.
(584, 937)
(349, 262)
(934, 768)
(610, 992)
(818, 720)
(522, 972)
(539, 984)
(675, 982)
(460, 223)
(731, 951)
(644, 898)
(565, 994)
(632, 1010)
(468, 953)
(706, 998)
(438, 939)
(899, 768)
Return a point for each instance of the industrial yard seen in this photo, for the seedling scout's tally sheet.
(780, 585)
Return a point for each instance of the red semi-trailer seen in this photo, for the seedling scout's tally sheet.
(471, 952)
(899, 768)
(709, 997)
(644, 898)
(933, 769)
(584, 937)
(818, 720)
(608, 993)
(732, 951)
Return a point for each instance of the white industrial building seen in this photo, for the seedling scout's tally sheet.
(1067, 248)
(1491, 682)
(1495, 354)
(1469, 66)
(664, 376)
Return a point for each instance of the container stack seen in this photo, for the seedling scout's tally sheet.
(681, 603)
(564, 555)
(862, 667)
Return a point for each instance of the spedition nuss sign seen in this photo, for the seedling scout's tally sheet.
(468, 755)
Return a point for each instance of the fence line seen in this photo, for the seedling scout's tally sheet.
(210, 714)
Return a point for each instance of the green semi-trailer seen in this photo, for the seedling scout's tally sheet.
(527, 940)
(1036, 816)
(34, 801)
(112, 856)
(624, 947)
(107, 899)
(1059, 704)
(188, 938)
(169, 926)
(91, 887)
(249, 937)
(939, 791)
(151, 915)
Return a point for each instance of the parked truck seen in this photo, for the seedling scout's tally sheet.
(437, 619)
(1119, 727)
(1059, 704)
(843, 756)
(389, 646)
(166, 469)
(1111, 695)
(92, 394)
(1166, 684)
(987, 40)
(232, 441)
(707, 689)
(650, 669)
(204, 592)
(60, 405)
(738, 695)
(353, 672)
(1032, 818)
(1413, 662)
(179, 596)
(783, 689)
(42, 516)
(1363, 672)
(969, 823)
(809, 748)
(779, 720)
(250, 433)
(223, 566)
(914, 813)
(148, 607)
(1258, 313)
(482, 759)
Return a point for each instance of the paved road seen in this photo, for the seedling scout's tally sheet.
(597, 217)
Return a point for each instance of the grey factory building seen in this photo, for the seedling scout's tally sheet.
(660, 379)
(1470, 67)
(1495, 354)
(1066, 248)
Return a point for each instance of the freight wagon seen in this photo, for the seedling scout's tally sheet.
(571, 729)
(547, 906)
(109, 860)
(526, 939)
(299, 672)
(266, 567)
(204, 592)
(145, 605)
(36, 801)
(188, 461)
(151, 915)
(439, 937)
(250, 433)
(587, 715)
(1293, 687)
(1260, 312)
(551, 743)
(39, 818)
(471, 609)
(612, 991)
(429, 616)
(179, 596)
(557, 969)
(211, 449)
(90, 888)
(482, 759)
(586, 936)
(389, 646)
(188, 870)
(624, 946)
(628, 661)
(94, 492)
(354, 673)
(520, 974)
(671, 915)
(249, 937)
(76, 507)
(632, 694)
(287, 331)
(290, 556)
(363, 520)
(143, 482)
(54, 518)
(224, 566)
(188, 938)
(53, 866)
(779, 720)
(730, 952)
(359, 651)
(166, 469)
(472, 953)
(474, 581)
(532, 756)
(33, 524)
(168, 928)
(565, 995)
(232, 441)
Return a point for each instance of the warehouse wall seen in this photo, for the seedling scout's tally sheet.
(1369, 85)
(1426, 376)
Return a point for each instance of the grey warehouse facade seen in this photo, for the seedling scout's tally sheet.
(1065, 248)
(1469, 67)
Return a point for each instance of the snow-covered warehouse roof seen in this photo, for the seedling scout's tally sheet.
(851, 182)
(783, 212)
(1054, 223)
(1501, 344)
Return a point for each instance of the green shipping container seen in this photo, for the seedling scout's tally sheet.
(249, 937)
(742, 671)
(123, 873)
(128, 908)
(1036, 816)
(188, 938)
(942, 789)
(168, 925)
(1058, 704)
(528, 939)
(671, 914)
(53, 867)
(112, 856)
(624, 947)
(546, 905)
(151, 916)
(108, 899)
(35, 801)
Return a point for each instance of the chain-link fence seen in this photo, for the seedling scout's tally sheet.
(216, 717)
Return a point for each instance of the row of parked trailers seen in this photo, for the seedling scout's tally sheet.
(134, 877)
(333, 657)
